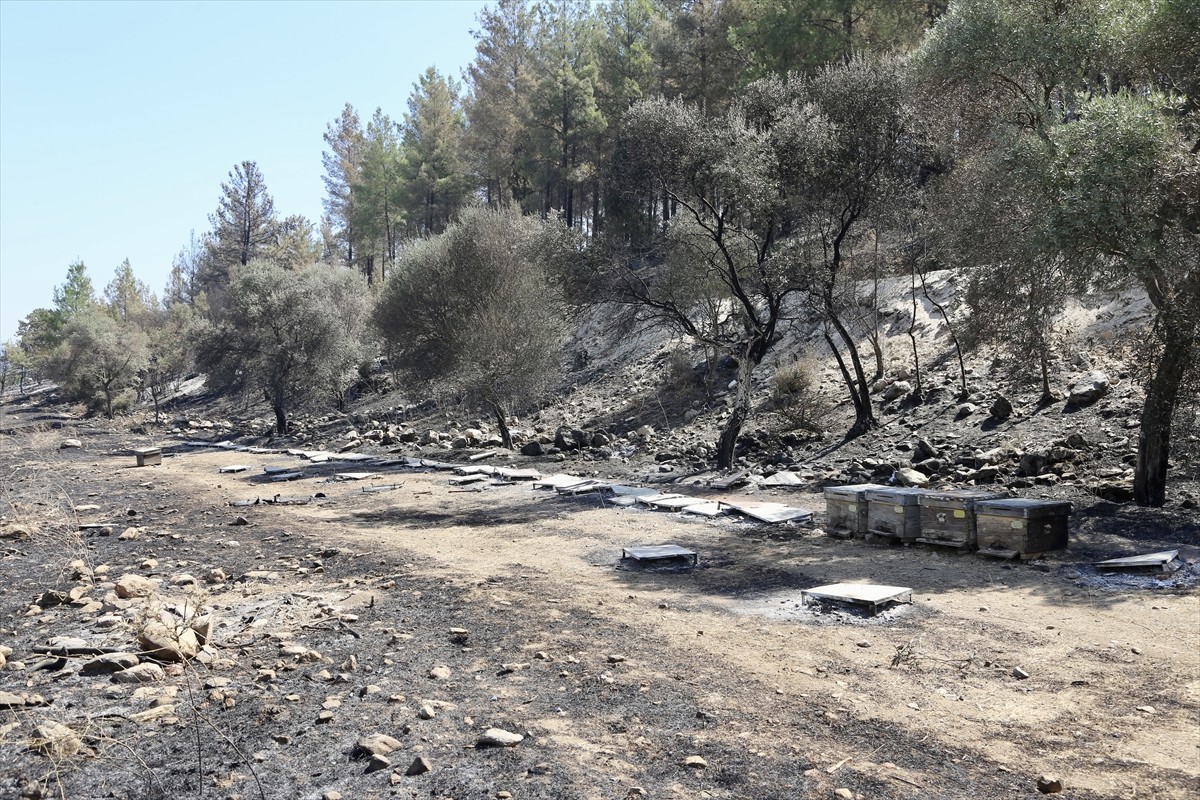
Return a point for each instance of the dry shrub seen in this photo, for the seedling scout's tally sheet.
(794, 394)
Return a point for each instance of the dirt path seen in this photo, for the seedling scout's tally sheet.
(617, 674)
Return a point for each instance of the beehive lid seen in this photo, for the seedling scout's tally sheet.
(1026, 507)
(958, 496)
(896, 496)
(852, 492)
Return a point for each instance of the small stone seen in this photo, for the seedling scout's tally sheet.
(56, 740)
(325, 717)
(426, 712)
(1019, 673)
(1049, 785)
(503, 795)
(419, 766)
(10, 700)
(863, 643)
(129, 586)
(142, 673)
(842, 793)
(378, 762)
(616, 658)
(1146, 709)
(498, 737)
(440, 672)
(166, 644)
(695, 762)
(377, 744)
(70, 443)
(332, 795)
(107, 663)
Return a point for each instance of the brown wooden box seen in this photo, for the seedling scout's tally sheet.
(846, 509)
(147, 456)
(948, 518)
(895, 513)
(1021, 527)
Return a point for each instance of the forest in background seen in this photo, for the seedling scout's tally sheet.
(712, 166)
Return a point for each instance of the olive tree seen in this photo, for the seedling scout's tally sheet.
(1104, 100)
(479, 308)
(98, 357)
(770, 196)
(292, 337)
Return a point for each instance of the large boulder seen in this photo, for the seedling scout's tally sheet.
(897, 390)
(1001, 409)
(906, 476)
(1089, 389)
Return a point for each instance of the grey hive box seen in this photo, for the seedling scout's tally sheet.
(948, 518)
(846, 509)
(1021, 527)
(894, 513)
(148, 456)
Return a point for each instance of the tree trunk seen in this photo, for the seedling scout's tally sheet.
(918, 393)
(727, 442)
(108, 401)
(281, 424)
(864, 416)
(502, 423)
(963, 394)
(1179, 337)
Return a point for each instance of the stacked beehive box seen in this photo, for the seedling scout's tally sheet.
(948, 518)
(1020, 527)
(846, 509)
(894, 512)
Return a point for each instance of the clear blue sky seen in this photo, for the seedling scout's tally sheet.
(119, 121)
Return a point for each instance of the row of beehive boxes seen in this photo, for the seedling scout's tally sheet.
(986, 522)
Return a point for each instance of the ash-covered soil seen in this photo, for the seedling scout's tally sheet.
(426, 615)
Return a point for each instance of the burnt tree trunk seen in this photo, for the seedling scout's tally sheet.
(502, 423)
(1179, 332)
(727, 442)
(281, 421)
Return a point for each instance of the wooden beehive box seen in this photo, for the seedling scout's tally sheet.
(846, 509)
(147, 456)
(948, 518)
(895, 513)
(1021, 527)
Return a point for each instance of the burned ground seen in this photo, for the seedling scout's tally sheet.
(332, 616)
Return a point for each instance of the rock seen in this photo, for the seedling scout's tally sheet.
(1145, 709)
(168, 644)
(10, 700)
(1049, 785)
(419, 766)
(441, 672)
(906, 476)
(1001, 409)
(142, 673)
(377, 763)
(56, 740)
(67, 444)
(377, 744)
(202, 627)
(695, 762)
(1019, 673)
(863, 643)
(842, 793)
(616, 658)
(129, 586)
(1088, 390)
(533, 448)
(600, 439)
(966, 410)
(923, 450)
(897, 390)
(1076, 441)
(109, 663)
(51, 598)
(332, 795)
(498, 737)
(426, 712)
